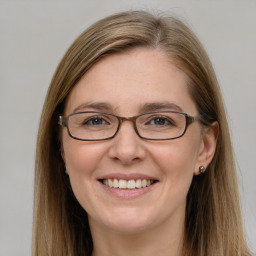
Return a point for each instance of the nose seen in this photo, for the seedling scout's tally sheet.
(127, 146)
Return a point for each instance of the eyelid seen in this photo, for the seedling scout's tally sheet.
(108, 118)
(155, 116)
(89, 120)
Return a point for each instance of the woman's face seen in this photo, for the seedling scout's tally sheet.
(128, 84)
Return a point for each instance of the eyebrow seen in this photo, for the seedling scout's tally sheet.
(99, 106)
(156, 106)
(147, 107)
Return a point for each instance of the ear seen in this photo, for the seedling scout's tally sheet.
(207, 146)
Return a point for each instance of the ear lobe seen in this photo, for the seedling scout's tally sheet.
(208, 146)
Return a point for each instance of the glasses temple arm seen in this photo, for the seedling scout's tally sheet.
(61, 121)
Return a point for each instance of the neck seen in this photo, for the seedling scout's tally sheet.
(163, 240)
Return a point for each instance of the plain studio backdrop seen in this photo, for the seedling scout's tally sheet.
(34, 35)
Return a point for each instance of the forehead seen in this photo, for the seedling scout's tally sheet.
(126, 81)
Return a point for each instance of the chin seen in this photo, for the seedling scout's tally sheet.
(127, 227)
(126, 220)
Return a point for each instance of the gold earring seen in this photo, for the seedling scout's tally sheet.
(202, 169)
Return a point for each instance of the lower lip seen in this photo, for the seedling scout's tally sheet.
(127, 193)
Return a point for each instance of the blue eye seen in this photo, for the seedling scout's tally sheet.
(161, 121)
(95, 121)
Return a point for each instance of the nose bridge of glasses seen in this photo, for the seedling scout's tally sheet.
(131, 119)
(123, 118)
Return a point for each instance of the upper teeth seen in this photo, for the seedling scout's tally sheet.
(130, 184)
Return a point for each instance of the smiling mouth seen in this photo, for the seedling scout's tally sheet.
(128, 184)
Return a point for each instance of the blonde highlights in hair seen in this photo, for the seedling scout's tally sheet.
(213, 220)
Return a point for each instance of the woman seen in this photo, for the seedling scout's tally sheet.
(134, 154)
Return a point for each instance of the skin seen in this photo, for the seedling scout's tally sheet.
(153, 223)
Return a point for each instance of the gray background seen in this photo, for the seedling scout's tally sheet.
(34, 36)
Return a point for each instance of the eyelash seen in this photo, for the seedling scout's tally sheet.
(165, 119)
(92, 119)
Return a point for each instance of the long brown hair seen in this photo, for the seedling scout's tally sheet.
(213, 224)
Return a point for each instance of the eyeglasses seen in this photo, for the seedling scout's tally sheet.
(96, 126)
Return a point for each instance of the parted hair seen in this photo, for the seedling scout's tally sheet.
(213, 223)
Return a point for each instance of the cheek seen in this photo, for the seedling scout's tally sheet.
(82, 161)
(177, 161)
(82, 158)
(178, 157)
